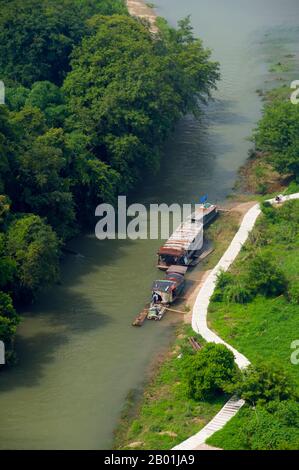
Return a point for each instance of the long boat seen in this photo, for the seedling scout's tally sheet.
(166, 291)
(186, 243)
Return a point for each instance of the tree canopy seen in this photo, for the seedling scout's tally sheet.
(278, 135)
(91, 95)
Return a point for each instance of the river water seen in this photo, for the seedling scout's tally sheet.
(78, 355)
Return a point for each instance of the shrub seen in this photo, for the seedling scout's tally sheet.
(237, 293)
(293, 292)
(268, 210)
(224, 279)
(208, 371)
(265, 278)
(262, 383)
(274, 427)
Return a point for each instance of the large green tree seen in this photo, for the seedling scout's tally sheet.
(34, 247)
(37, 37)
(209, 371)
(278, 135)
(126, 91)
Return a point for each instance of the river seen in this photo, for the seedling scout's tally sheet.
(78, 355)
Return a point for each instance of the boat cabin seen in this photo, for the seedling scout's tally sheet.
(167, 290)
(187, 240)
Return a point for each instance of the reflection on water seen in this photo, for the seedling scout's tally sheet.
(79, 356)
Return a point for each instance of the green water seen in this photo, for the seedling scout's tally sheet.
(79, 356)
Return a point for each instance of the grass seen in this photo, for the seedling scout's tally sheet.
(280, 67)
(264, 328)
(220, 233)
(229, 437)
(165, 416)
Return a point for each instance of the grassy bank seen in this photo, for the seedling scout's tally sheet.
(166, 415)
(263, 328)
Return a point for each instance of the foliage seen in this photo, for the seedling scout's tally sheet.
(35, 248)
(277, 134)
(126, 91)
(263, 329)
(271, 427)
(8, 319)
(262, 383)
(91, 96)
(209, 371)
(264, 277)
(36, 38)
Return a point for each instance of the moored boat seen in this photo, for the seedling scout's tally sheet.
(186, 243)
(166, 291)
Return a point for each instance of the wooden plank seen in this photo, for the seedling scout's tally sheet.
(175, 311)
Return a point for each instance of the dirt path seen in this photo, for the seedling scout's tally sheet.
(140, 9)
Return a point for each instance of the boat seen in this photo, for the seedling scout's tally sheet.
(166, 291)
(186, 243)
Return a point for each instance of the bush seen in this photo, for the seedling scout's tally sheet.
(8, 319)
(35, 248)
(208, 371)
(224, 279)
(237, 293)
(265, 278)
(268, 210)
(227, 289)
(262, 383)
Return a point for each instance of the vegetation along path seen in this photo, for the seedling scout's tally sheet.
(199, 323)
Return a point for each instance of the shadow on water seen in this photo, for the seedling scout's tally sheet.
(65, 312)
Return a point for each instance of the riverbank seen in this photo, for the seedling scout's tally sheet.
(164, 416)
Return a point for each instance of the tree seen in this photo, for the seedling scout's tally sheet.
(278, 134)
(34, 246)
(36, 38)
(262, 383)
(7, 265)
(43, 186)
(126, 91)
(274, 427)
(209, 370)
(8, 319)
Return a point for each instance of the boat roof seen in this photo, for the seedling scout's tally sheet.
(176, 268)
(163, 285)
(183, 237)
